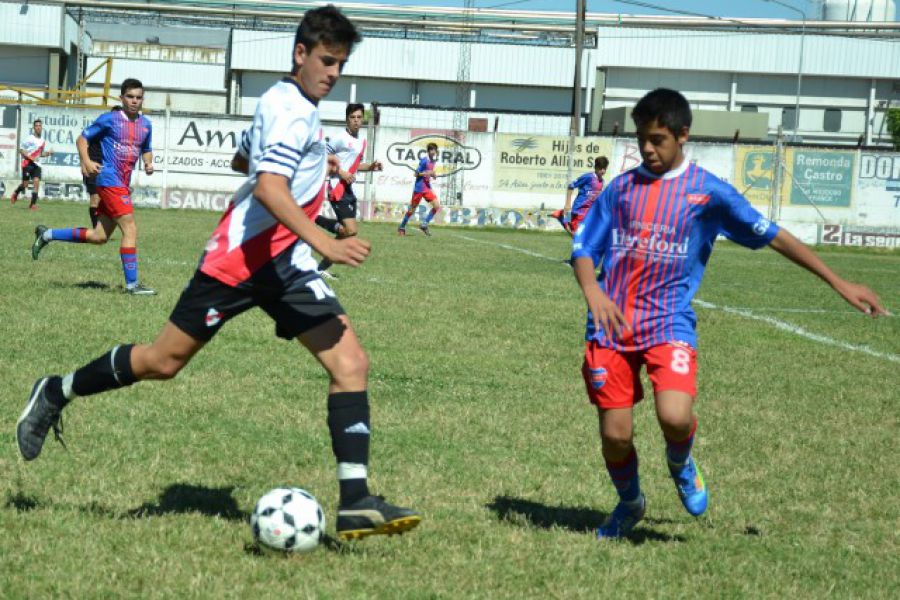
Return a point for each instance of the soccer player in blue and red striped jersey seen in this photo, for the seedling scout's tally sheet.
(422, 190)
(589, 187)
(652, 231)
(124, 137)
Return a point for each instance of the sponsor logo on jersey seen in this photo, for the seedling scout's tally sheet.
(697, 198)
(650, 243)
(599, 377)
(761, 226)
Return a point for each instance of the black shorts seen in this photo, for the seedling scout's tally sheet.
(90, 185)
(31, 171)
(345, 208)
(296, 307)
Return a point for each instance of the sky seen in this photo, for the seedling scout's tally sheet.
(718, 8)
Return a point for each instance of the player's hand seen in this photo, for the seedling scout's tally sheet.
(334, 165)
(861, 297)
(377, 166)
(606, 315)
(346, 177)
(89, 168)
(348, 251)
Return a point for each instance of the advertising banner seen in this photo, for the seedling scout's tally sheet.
(754, 173)
(539, 164)
(820, 177)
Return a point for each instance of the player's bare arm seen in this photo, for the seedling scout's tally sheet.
(372, 166)
(568, 207)
(859, 296)
(148, 163)
(604, 311)
(275, 195)
(88, 167)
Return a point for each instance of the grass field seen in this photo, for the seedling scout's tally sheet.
(480, 422)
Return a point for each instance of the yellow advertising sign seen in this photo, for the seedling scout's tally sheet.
(754, 173)
(537, 164)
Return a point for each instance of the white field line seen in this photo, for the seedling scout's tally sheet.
(796, 330)
(743, 312)
(513, 248)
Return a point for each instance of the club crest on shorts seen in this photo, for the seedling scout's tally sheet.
(213, 317)
(599, 377)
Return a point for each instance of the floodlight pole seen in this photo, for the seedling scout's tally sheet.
(575, 127)
(800, 65)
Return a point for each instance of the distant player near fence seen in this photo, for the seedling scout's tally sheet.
(34, 148)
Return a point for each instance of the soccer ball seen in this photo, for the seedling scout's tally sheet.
(288, 519)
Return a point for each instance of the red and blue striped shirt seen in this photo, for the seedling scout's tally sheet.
(653, 236)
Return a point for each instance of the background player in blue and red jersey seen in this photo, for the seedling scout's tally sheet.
(652, 231)
(124, 136)
(589, 187)
(422, 189)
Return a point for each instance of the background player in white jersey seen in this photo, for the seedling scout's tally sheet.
(260, 255)
(33, 148)
(349, 148)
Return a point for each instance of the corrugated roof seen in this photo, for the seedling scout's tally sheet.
(159, 34)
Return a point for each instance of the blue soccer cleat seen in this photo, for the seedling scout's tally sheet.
(623, 519)
(691, 487)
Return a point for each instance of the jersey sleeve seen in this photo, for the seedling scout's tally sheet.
(741, 223)
(284, 139)
(147, 146)
(592, 236)
(578, 183)
(243, 148)
(99, 128)
(423, 166)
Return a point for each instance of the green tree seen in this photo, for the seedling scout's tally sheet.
(893, 125)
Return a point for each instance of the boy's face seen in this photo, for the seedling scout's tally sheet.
(600, 171)
(132, 101)
(320, 68)
(660, 148)
(38, 128)
(432, 154)
(354, 121)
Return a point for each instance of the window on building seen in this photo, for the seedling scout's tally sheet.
(789, 118)
(832, 120)
(749, 108)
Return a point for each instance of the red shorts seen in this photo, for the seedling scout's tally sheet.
(418, 196)
(613, 378)
(114, 202)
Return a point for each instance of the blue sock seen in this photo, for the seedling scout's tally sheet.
(429, 217)
(678, 451)
(405, 219)
(624, 475)
(77, 235)
(129, 265)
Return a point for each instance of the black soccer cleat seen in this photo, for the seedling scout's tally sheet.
(425, 230)
(139, 289)
(371, 515)
(39, 416)
(39, 241)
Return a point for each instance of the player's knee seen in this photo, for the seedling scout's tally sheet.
(351, 366)
(616, 439)
(168, 367)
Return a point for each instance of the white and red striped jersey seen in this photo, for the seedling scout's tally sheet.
(286, 139)
(33, 147)
(349, 150)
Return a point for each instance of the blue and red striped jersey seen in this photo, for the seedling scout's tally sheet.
(653, 236)
(122, 142)
(423, 182)
(589, 187)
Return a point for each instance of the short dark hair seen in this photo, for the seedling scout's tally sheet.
(601, 162)
(353, 107)
(664, 106)
(36, 121)
(431, 145)
(326, 25)
(130, 84)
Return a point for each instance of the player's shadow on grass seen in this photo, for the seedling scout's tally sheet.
(182, 498)
(84, 285)
(581, 520)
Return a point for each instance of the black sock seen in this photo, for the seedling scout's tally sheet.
(108, 372)
(325, 264)
(327, 224)
(33, 198)
(20, 189)
(348, 422)
(95, 216)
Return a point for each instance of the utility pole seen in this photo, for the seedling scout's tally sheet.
(575, 127)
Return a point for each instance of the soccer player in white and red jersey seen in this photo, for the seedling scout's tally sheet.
(33, 148)
(125, 137)
(652, 231)
(348, 148)
(260, 255)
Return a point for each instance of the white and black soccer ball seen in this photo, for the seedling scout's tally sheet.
(288, 519)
